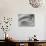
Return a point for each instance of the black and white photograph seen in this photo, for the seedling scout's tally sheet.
(26, 20)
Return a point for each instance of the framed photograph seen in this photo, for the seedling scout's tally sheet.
(26, 20)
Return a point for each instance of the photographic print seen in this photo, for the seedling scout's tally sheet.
(26, 20)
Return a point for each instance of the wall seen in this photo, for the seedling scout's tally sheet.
(11, 8)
